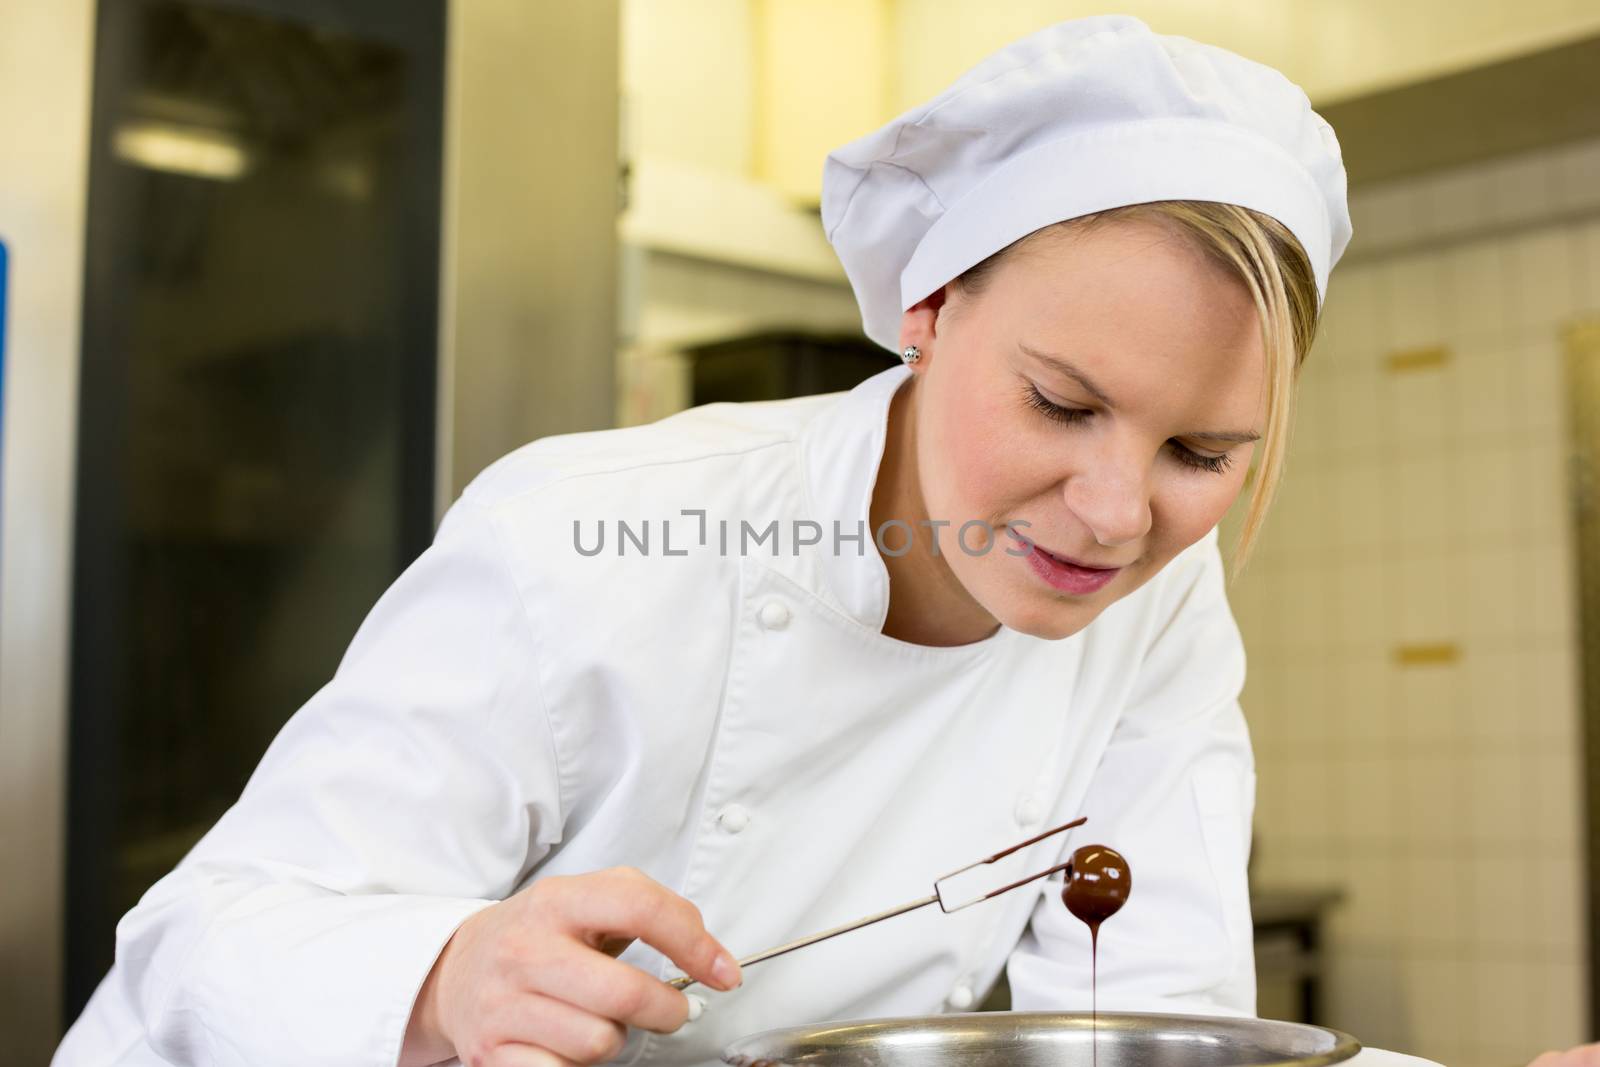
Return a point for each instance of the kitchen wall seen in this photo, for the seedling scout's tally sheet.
(45, 55)
(764, 89)
(761, 89)
(1332, 50)
(1410, 617)
(529, 279)
(717, 240)
(672, 301)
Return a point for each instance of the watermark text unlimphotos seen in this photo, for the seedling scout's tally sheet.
(691, 531)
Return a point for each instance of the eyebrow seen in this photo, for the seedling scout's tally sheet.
(1234, 437)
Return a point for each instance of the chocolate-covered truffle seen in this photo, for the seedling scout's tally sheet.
(1097, 885)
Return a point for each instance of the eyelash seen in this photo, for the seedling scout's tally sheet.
(1071, 416)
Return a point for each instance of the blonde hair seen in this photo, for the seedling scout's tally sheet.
(1273, 266)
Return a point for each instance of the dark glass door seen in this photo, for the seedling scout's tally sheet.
(256, 436)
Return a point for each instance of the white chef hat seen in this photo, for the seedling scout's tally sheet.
(1080, 117)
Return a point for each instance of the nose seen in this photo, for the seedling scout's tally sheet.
(1112, 498)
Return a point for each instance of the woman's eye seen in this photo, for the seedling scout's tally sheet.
(1053, 411)
(1189, 457)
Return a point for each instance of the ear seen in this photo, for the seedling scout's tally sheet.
(919, 322)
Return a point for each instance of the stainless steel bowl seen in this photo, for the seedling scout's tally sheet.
(1036, 1039)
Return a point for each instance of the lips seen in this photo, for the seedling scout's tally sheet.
(1069, 561)
(1063, 573)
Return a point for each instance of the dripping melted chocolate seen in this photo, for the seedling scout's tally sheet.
(1098, 883)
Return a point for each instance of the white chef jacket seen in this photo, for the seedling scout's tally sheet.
(735, 724)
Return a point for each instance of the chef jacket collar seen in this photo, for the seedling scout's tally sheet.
(841, 450)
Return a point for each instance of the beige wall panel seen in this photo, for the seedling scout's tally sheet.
(689, 77)
(1334, 50)
(823, 73)
(530, 245)
(46, 51)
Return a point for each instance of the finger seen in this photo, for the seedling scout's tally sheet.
(615, 946)
(1555, 1058)
(553, 1025)
(523, 1056)
(627, 903)
(607, 988)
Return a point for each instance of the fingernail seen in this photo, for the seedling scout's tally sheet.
(725, 971)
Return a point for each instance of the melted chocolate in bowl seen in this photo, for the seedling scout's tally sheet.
(1097, 886)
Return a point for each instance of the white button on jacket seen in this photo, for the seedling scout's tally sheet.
(733, 818)
(1029, 811)
(514, 708)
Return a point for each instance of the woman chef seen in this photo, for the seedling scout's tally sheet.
(827, 649)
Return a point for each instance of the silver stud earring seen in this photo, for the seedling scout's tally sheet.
(911, 354)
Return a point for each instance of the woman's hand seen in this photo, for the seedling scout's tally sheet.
(532, 981)
(1582, 1056)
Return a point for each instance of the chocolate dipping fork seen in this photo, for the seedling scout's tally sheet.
(948, 900)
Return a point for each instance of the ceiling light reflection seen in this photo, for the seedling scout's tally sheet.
(191, 151)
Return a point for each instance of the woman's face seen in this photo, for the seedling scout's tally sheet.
(1079, 398)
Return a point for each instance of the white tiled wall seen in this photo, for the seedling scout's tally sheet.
(1429, 507)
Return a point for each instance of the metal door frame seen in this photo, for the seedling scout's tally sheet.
(1582, 343)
